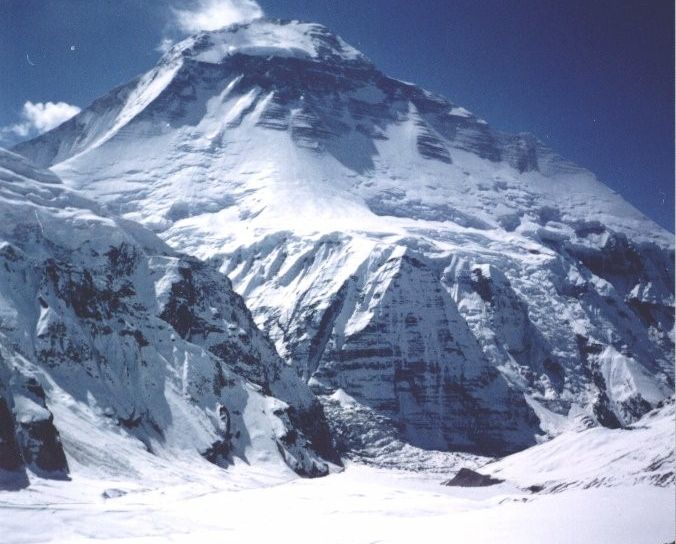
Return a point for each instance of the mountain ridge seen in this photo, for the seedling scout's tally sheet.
(105, 331)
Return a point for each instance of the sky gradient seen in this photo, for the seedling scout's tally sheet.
(592, 79)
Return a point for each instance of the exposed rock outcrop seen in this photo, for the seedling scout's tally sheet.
(99, 318)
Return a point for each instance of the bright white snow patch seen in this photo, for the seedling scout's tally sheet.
(343, 398)
(459, 111)
(269, 38)
(215, 14)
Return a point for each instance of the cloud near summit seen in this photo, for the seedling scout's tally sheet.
(214, 14)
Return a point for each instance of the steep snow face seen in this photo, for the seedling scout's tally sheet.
(391, 243)
(283, 117)
(110, 341)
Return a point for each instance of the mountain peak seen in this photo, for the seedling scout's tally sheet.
(471, 287)
(268, 38)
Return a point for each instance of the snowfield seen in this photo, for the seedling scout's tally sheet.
(360, 505)
(598, 485)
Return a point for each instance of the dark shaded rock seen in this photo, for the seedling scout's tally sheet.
(218, 453)
(123, 259)
(12, 469)
(521, 152)
(39, 439)
(203, 310)
(28, 437)
(241, 346)
(37, 436)
(42, 449)
(482, 285)
(10, 455)
(469, 478)
(431, 146)
(113, 493)
(180, 311)
(312, 422)
(300, 463)
(13, 480)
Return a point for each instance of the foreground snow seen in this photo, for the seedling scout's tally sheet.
(598, 485)
(360, 505)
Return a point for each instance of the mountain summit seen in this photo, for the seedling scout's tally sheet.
(470, 289)
(269, 38)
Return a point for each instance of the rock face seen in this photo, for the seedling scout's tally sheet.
(99, 317)
(28, 437)
(416, 361)
(39, 439)
(471, 287)
(12, 467)
(469, 478)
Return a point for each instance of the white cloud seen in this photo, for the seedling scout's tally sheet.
(214, 14)
(39, 117)
(44, 116)
(164, 45)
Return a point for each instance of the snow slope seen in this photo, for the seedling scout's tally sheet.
(117, 353)
(472, 287)
(643, 453)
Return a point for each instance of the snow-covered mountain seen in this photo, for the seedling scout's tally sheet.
(468, 287)
(114, 347)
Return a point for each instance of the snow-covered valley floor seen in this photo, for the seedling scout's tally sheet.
(360, 505)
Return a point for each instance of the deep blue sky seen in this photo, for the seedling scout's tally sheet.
(594, 79)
